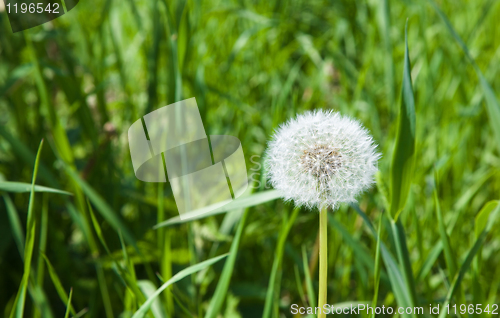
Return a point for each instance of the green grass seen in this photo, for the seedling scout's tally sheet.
(81, 236)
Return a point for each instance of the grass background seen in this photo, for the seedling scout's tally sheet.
(80, 81)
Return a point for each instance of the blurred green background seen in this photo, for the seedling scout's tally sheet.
(81, 80)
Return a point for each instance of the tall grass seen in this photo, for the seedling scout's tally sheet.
(86, 238)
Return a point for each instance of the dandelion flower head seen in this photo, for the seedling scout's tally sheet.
(321, 159)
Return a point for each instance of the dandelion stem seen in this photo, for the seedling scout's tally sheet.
(323, 261)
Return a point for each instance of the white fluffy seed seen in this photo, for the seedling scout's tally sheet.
(321, 159)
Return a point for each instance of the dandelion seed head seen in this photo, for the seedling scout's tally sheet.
(321, 159)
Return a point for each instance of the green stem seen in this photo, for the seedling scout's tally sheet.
(323, 260)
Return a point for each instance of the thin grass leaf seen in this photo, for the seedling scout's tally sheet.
(18, 74)
(399, 286)
(384, 191)
(404, 258)
(15, 224)
(404, 149)
(467, 196)
(277, 106)
(104, 291)
(468, 260)
(481, 221)
(18, 309)
(21, 187)
(58, 132)
(128, 263)
(148, 288)
(57, 283)
(377, 267)
(68, 306)
(449, 255)
(438, 248)
(429, 261)
(492, 104)
(181, 305)
(127, 277)
(25, 154)
(44, 224)
(483, 216)
(180, 275)
(359, 250)
(215, 305)
(239, 203)
(97, 228)
(171, 31)
(278, 256)
(385, 26)
(100, 204)
(242, 41)
(298, 283)
(311, 297)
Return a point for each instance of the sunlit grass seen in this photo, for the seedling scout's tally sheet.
(82, 80)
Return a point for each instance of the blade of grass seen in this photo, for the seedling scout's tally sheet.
(97, 228)
(298, 283)
(215, 305)
(492, 104)
(404, 259)
(467, 196)
(15, 224)
(18, 309)
(126, 277)
(40, 268)
(68, 306)
(278, 256)
(399, 287)
(43, 238)
(430, 260)
(449, 255)
(242, 40)
(468, 260)
(385, 26)
(311, 297)
(171, 31)
(404, 150)
(377, 267)
(482, 217)
(358, 249)
(180, 275)
(100, 204)
(57, 283)
(24, 153)
(60, 137)
(148, 288)
(104, 291)
(240, 203)
(164, 245)
(438, 248)
(481, 221)
(21, 187)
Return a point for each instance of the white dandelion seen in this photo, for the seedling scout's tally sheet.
(321, 159)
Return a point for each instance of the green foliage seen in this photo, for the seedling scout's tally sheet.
(404, 151)
(180, 275)
(81, 80)
(20, 187)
